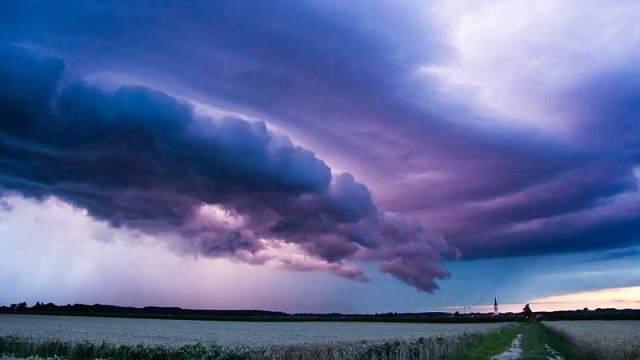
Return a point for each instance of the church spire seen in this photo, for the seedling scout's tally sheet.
(495, 307)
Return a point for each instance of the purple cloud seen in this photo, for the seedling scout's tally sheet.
(506, 142)
(141, 159)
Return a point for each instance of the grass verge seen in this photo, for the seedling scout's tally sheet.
(490, 344)
(536, 336)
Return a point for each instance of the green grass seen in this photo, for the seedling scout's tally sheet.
(536, 335)
(490, 344)
(534, 338)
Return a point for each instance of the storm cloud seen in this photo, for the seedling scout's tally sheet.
(514, 139)
(222, 187)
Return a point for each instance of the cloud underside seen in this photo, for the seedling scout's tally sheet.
(510, 128)
(222, 187)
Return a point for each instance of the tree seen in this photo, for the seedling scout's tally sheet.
(527, 313)
(19, 306)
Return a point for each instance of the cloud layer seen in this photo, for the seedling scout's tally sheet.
(510, 128)
(141, 159)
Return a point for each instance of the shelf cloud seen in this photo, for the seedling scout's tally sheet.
(138, 158)
(501, 129)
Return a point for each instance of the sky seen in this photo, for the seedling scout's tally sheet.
(321, 156)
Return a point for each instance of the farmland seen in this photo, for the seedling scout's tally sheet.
(603, 340)
(76, 338)
(122, 331)
(84, 338)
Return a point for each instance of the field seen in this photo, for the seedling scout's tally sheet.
(84, 338)
(81, 338)
(602, 340)
(121, 331)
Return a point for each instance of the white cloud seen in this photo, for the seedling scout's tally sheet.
(217, 215)
(620, 298)
(511, 58)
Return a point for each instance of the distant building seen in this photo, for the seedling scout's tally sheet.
(495, 307)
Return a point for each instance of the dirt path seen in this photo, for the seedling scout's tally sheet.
(513, 352)
(553, 355)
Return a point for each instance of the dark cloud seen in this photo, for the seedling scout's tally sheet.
(141, 159)
(342, 79)
(30, 80)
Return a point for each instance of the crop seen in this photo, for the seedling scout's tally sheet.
(76, 338)
(152, 332)
(420, 349)
(603, 340)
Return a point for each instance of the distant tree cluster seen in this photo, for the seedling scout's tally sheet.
(18, 306)
(527, 313)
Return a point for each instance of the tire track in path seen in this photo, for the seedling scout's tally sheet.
(513, 352)
(553, 354)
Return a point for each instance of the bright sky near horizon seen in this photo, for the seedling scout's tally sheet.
(372, 156)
